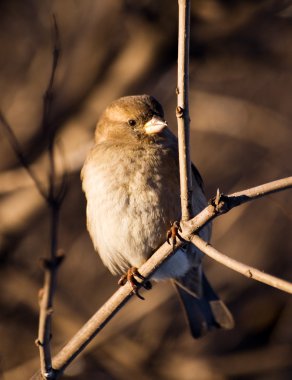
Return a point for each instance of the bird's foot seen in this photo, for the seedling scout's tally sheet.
(173, 234)
(130, 277)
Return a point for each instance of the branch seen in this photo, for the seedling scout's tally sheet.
(244, 269)
(20, 155)
(49, 94)
(99, 320)
(182, 109)
(54, 200)
(224, 203)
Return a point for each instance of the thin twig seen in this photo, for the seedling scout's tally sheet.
(99, 320)
(226, 203)
(49, 94)
(182, 109)
(21, 157)
(54, 201)
(244, 269)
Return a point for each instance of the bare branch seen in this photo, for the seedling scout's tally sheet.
(182, 110)
(20, 155)
(54, 202)
(244, 269)
(121, 296)
(54, 199)
(224, 203)
(49, 95)
(263, 190)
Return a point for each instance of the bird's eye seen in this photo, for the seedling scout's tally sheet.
(132, 122)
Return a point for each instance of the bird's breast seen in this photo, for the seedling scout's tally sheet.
(132, 196)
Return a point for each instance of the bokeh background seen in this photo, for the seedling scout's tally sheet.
(241, 111)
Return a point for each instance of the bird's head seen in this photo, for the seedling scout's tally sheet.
(132, 119)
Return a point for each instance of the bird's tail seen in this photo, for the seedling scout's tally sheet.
(204, 310)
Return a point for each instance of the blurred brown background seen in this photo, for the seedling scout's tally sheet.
(241, 110)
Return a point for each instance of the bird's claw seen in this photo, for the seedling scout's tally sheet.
(173, 234)
(130, 277)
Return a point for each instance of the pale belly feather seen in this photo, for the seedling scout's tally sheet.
(128, 211)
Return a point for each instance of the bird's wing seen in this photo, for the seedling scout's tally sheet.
(198, 177)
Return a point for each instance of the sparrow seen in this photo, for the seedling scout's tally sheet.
(131, 182)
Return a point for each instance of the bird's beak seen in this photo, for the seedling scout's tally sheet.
(154, 125)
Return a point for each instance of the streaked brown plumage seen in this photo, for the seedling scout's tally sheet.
(131, 182)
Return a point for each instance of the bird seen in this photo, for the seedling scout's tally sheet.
(131, 183)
